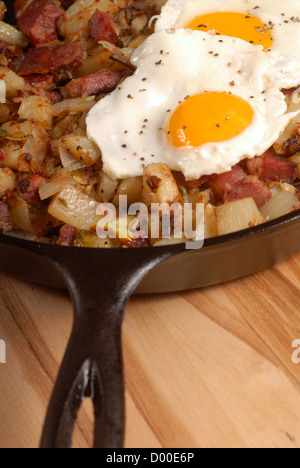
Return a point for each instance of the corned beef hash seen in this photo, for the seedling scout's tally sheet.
(188, 102)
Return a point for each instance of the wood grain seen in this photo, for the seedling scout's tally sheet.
(207, 368)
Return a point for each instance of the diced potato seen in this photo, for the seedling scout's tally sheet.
(19, 213)
(106, 187)
(13, 82)
(206, 196)
(279, 205)
(120, 228)
(159, 185)
(296, 159)
(31, 137)
(11, 152)
(210, 221)
(7, 181)
(82, 149)
(75, 208)
(132, 187)
(18, 130)
(36, 144)
(30, 156)
(37, 109)
(237, 215)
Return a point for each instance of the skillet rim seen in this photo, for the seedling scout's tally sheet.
(211, 242)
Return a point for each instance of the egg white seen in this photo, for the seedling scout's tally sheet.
(129, 125)
(283, 15)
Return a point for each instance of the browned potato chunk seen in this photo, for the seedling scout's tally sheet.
(13, 82)
(159, 185)
(75, 208)
(82, 149)
(7, 181)
(132, 188)
(37, 109)
(210, 222)
(237, 215)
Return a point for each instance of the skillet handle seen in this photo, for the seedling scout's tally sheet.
(100, 283)
(92, 367)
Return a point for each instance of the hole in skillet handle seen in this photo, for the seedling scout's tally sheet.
(100, 282)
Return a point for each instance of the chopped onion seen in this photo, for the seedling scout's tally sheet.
(82, 149)
(79, 5)
(52, 188)
(282, 186)
(12, 36)
(68, 161)
(109, 46)
(106, 187)
(279, 205)
(73, 106)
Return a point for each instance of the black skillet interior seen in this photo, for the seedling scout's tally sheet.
(100, 283)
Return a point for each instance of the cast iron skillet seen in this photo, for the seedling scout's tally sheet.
(101, 281)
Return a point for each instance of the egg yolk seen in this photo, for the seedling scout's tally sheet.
(246, 27)
(206, 118)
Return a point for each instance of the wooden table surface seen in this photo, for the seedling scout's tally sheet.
(208, 368)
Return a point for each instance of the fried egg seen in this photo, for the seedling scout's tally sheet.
(196, 102)
(274, 25)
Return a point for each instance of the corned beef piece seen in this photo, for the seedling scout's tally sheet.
(103, 27)
(38, 21)
(96, 83)
(272, 168)
(250, 186)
